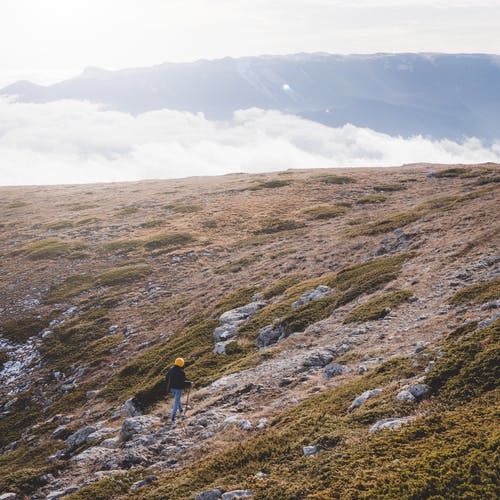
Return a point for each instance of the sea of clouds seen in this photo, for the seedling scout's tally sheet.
(79, 142)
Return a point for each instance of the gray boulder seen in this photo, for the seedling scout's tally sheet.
(101, 433)
(92, 456)
(137, 425)
(316, 294)
(418, 391)
(60, 433)
(214, 494)
(317, 360)
(270, 335)
(224, 332)
(8, 496)
(130, 408)
(61, 493)
(79, 437)
(310, 450)
(143, 482)
(220, 348)
(388, 423)
(363, 398)
(334, 369)
(405, 396)
(237, 494)
(236, 316)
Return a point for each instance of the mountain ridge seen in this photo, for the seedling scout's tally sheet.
(438, 95)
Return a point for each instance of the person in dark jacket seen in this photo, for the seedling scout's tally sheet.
(176, 381)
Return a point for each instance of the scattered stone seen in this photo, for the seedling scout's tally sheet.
(237, 494)
(220, 348)
(405, 396)
(224, 332)
(92, 394)
(130, 408)
(61, 493)
(270, 335)
(334, 369)
(421, 346)
(214, 494)
(430, 366)
(317, 360)
(137, 425)
(144, 482)
(358, 331)
(418, 390)
(310, 450)
(101, 433)
(79, 437)
(316, 294)
(260, 475)
(362, 369)
(388, 423)
(8, 496)
(364, 397)
(61, 432)
(110, 443)
(66, 419)
(245, 425)
(285, 381)
(262, 424)
(241, 313)
(92, 456)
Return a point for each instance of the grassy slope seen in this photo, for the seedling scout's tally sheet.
(447, 452)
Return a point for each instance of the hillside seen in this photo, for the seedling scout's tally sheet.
(354, 316)
(389, 93)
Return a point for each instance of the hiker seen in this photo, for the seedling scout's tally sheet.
(176, 381)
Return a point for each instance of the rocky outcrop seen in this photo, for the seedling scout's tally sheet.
(363, 398)
(388, 423)
(315, 294)
(335, 369)
(270, 335)
(79, 437)
(137, 425)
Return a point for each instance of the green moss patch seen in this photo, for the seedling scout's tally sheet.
(71, 287)
(376, 308)
(153, 223)
(277, 226)
(127, 211)
(371, 198)
(324, 212)
(387, 224)
(281, 286)
(59, 224)
(20, 470)
(273, 184)
(110, 487)
(478, 293)
(123, 246)
(169, 241)
(20, 330)
(50, 248)
(75, 340)
(451, 172)
(122, 275)
(237, 265)
(336, 179)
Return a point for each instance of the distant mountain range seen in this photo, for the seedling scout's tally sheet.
(436, 95)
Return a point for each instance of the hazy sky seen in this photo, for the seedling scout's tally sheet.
(52, 39)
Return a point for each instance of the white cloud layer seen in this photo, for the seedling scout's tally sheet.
(75, 142)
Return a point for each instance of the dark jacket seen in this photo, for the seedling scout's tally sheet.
(176, 378)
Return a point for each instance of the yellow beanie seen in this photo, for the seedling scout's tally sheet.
(179, 362)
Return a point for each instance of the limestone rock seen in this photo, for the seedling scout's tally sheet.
(269, 335)
(224, 332)
(405, 396)
(61, 432)
(310, 450)
(316, 294)
(8, 496)
(214, 494)
(79, 437)
(237, 494)
(92, 456)
(363, 398)
(388, 423)
(144, 482)
(334, 369)
(137, 425)
(130, 408)
(104, 432)
(317, 360)
(418, 391)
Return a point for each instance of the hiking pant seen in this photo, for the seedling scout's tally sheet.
(177, 402)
